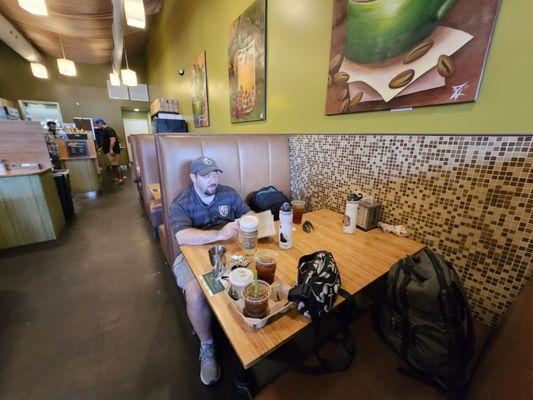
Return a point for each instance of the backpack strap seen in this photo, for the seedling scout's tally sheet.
(328, 365)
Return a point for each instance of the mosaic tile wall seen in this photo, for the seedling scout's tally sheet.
(468, 197)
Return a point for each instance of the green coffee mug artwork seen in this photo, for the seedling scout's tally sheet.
(377, 30)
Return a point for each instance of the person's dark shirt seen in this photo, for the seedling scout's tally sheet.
(108, 133)
(98, 134)
(189, 211)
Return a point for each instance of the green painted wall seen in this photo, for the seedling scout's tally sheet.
(298, 39)
(89, 88)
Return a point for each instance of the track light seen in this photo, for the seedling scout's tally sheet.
(66, 66)
(135, 16)
(114, 78)
(39, 70)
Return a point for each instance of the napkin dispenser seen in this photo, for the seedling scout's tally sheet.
(368, 215)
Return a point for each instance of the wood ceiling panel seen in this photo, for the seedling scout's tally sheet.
(84, 27)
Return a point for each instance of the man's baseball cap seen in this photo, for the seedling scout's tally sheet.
(203, 166)
(99, 122)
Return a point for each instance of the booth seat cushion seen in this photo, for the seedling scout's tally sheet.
(163, 241)
(155, 212)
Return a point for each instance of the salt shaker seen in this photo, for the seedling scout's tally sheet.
(350, 215)
(285, 226)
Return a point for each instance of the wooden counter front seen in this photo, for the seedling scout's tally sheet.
(30, 210)
(85, 176)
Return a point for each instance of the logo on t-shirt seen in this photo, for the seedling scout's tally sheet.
(223, 210)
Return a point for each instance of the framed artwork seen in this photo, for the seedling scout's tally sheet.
(247, 65)
(200, 105)
(389, 54)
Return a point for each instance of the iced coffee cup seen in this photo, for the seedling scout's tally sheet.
(265, 264)
(256, 299)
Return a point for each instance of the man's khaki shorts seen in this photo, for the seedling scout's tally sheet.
(113, 158)
(182, 272)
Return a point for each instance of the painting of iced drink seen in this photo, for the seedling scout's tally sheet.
(246, 64)
(200, 107)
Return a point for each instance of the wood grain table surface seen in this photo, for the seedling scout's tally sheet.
(361, 258)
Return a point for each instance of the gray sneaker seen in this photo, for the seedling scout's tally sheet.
(209, 368)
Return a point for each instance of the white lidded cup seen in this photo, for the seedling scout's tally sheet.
(249, 228)
(239, 278)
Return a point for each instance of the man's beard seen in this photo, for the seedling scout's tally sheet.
(210, 192)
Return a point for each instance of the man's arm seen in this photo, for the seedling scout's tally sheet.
(193, 236)
(112, 141)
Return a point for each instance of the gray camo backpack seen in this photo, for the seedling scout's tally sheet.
(425, 317)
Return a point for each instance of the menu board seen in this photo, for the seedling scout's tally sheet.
(77, 148)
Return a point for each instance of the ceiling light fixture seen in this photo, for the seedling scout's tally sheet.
(114, 78)
(66, 66)
(135, 16)
(129, 77)
(36, 7)
(39, 70)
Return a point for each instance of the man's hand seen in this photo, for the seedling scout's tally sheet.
(229, 231)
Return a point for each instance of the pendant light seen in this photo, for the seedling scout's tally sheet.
(114, 79)
(39, 70)
(36, 7)
(66, 66)
(135, 16)
(129, 77)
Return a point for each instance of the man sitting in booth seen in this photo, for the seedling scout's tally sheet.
(203, 213)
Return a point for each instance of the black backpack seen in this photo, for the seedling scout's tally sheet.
(315, 293)
(268, 198)
(425, 317)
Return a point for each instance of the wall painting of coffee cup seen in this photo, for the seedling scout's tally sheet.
(391, 54)
(200, 105)
(246, 64)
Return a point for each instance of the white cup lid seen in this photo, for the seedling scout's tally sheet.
(249, 223)
(241, 277)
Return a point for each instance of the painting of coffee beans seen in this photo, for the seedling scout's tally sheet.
(246, 64)
(393, 54)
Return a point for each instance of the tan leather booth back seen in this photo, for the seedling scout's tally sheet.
(248, 162)
(148, 164)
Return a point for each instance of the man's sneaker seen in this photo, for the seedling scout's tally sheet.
(209, 368)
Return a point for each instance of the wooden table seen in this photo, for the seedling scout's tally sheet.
(155, 188)
(361, 258)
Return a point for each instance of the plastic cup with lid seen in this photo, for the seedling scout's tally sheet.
(239, 278)
(249, 227)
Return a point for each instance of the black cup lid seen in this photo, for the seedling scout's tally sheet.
(355, 197)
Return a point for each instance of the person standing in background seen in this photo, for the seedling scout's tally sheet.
(111, 148)
(51, 135)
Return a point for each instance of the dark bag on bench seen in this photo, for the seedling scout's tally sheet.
(425, 317)
(268, 198)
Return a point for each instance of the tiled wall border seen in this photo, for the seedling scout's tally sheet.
(467, 196)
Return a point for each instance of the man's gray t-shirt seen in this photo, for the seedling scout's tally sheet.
(189, 211)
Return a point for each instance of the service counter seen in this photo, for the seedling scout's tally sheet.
(30, 209)
(81, 159)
